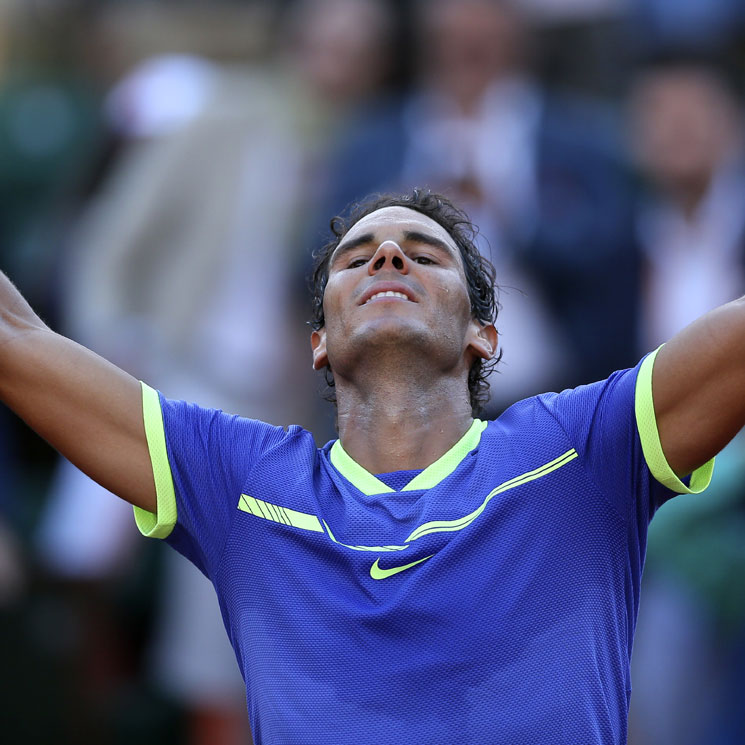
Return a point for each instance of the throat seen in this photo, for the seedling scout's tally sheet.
(406, 441)
(404, 419)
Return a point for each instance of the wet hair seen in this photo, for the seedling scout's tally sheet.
(479, 271)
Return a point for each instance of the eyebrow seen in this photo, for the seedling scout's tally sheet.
(428, 240)
(346, 246)
(414, 236)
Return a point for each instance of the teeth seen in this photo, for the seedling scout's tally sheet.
(389, 293)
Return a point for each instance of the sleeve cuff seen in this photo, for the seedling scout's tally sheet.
(650, 438)
(161, 523)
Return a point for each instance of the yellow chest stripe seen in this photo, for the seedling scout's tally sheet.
(306, 521)
(278, 514)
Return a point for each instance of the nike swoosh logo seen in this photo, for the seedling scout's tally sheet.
(377, 572)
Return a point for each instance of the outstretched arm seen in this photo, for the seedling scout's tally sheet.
(85, 407)
(698, 387)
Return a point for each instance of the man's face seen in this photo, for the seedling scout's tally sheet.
(685, 124)
(468, 44)
(397, 279)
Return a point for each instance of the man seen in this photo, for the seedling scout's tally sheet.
(428, 577)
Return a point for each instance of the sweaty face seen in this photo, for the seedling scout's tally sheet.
(396, 279)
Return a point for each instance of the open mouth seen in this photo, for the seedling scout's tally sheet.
(387, 294)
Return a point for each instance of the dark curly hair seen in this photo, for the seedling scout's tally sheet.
(479, 271)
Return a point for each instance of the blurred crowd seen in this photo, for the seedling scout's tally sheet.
(166, 171)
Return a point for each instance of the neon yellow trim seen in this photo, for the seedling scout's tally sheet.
(646, 423)
(278, 514)
(376, 549)
(377, 572)
(355, 473)
(442, 526)
(160, 524)
(438, 526)
(432, 475)
(445, 465)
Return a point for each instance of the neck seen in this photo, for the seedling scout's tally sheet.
(689, 199)
(402, 423)
(687, 194)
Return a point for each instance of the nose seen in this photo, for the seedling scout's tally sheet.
(389, 254)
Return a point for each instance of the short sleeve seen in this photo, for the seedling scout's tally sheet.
(611, 425)
(200, 459)
(650, 438)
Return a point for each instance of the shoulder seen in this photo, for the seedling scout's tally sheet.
(191, 428)
(592, 409)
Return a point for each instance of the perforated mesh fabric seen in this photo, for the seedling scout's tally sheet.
(397, 480)
(496, 606)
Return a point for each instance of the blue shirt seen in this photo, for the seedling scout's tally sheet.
(492, 599)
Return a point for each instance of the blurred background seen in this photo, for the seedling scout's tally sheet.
(168, 168)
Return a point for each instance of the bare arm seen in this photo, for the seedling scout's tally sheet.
(698, 387)
(85, 407)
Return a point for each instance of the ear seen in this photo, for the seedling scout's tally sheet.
(318, 345)
(483, 340)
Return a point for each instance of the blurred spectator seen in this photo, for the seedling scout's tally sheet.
(342, 49)
(688, 129)
(539, 176)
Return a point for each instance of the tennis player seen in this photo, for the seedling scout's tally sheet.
(428, 577)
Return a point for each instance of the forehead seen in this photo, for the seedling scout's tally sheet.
(393, 222)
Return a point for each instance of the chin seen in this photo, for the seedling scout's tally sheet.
(389, 345)
(386, 332)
